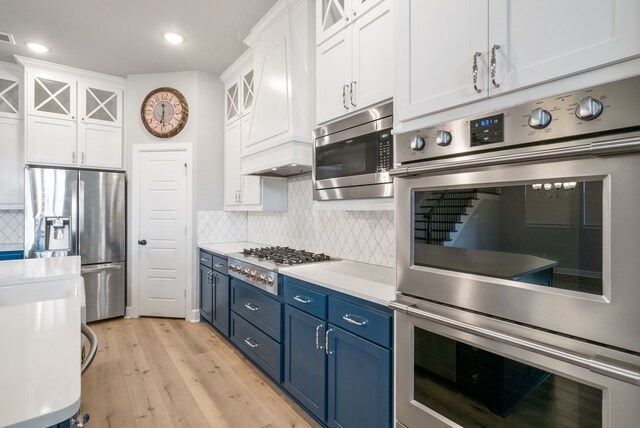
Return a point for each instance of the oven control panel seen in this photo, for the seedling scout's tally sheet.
(565, 117)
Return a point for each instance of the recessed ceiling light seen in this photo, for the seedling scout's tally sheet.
(173, 38)
(294, 164)
(37, 47)
(274, 169)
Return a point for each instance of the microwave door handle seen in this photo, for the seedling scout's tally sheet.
(595, 364)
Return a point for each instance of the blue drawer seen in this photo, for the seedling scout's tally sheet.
(206, 259)
(265, 352)
(220, 264)
(255, 306)
(311, 302)
(365, 322)
(11, 255)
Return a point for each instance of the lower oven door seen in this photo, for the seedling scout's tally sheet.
(455, 368)
(552, 243)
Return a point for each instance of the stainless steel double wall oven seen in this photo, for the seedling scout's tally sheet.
(517, 265)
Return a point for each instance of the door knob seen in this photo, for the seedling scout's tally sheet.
(142, 242)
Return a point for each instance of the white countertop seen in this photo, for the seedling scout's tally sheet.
(11, 247)
(369, 282)
(227, 248)
(40, 303)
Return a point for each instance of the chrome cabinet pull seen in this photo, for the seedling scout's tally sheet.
(251, 306)
(73, 157)
(349, 318)
(204, 259)
(318, 345)
(344, 97)
(352, 88)
(326, 342)
(303, 299)
(474, 72)
(494, 48)
(219, 265)
(251, 342)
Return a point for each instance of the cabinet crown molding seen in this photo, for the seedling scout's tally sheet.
(270, 19)
(232, 72)
(78, 72)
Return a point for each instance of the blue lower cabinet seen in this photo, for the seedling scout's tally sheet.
(359, 382)
(220, 304)
(206, 293)
(11, 255)
(305, 367)
(259, 347)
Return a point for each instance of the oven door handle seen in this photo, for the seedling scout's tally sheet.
(600, 365)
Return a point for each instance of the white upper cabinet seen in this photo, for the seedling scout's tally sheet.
(454, 52)
(232, 102)
(74, 117)
(333, 15)
(11, 138)
(355, 64)
(248, 91)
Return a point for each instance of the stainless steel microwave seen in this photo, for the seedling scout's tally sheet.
(352, 157)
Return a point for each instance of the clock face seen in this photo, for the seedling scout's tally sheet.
(164, 112)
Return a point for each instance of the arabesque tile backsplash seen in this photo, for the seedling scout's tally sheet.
(364, 236)
(11, 227)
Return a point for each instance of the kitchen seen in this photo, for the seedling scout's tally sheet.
(464, 253)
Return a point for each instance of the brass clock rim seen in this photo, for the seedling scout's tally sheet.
(185, 112)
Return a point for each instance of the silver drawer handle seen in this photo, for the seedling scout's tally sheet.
(318, 345)
(219, 265)
(474, 72)
(303, 299)
(251, 306)
(348, 318)
(249, 342)
(494, 48)
(204, 259)
(326, 342)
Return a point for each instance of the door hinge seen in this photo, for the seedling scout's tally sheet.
(185, 168)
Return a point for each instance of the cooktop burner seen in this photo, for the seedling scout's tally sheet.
(285, 255)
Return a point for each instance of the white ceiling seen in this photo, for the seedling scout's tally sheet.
(121, 37)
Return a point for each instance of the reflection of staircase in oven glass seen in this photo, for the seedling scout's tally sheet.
(442, 214)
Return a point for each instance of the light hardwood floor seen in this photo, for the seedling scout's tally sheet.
(155, 372)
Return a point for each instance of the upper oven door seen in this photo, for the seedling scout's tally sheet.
(553, 245)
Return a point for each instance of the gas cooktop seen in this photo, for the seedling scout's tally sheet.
(259, 266)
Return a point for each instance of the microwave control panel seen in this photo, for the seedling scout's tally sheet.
(385, 151)
(565, 117)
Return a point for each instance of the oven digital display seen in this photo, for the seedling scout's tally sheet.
(487, 130)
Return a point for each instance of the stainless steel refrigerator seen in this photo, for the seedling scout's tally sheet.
(81, 212)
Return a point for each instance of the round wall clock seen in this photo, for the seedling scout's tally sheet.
(164, 112)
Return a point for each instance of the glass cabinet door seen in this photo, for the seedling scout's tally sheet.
(51, 96)
(100, 105)
(9, 97)
(232, 102)
(331, 17)
(247, 92)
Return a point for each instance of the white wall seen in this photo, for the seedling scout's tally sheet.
(204, 93)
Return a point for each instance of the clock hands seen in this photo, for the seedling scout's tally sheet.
(162, 117)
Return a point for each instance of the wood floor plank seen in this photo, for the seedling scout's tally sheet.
(181, 407)
(155, 372)
(146, 402)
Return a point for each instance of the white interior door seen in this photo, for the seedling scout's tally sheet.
(162, 233)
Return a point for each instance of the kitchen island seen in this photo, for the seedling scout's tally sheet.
(40, 304)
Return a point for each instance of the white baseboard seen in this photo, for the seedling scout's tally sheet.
(130, 313)
(193, 315)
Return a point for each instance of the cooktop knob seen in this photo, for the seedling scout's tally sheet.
(417, 143)
(246, 271)
(588, 109)
(539, 119)
(443, 138)
(269, 281)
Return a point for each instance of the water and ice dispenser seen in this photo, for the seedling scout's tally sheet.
(57, 233)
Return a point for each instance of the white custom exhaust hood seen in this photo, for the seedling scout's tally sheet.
(278, 141)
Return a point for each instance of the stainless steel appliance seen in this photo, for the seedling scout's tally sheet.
(352, 157)
(259, 266)
(81, 212)
(516, 272)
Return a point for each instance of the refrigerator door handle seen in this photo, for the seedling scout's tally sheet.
(80, 214)
(101, 268)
